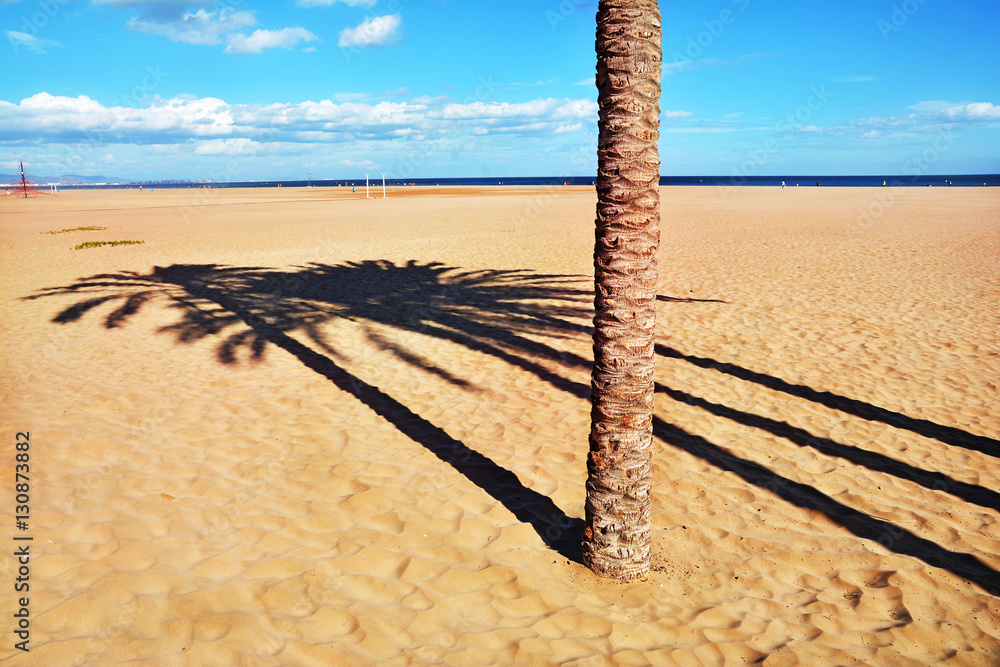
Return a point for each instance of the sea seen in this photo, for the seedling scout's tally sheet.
(874, 181)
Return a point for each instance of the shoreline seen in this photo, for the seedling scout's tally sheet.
(920, 180)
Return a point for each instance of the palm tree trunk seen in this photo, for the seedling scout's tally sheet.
(616, 535)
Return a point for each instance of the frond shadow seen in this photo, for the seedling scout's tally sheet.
(970, 493)
(861, 524)
(949, 435)
(252, 308)
(500, 314)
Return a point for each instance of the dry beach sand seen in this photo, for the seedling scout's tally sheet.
(298, 427)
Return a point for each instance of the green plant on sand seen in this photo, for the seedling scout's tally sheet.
(77, 229)
(98, 244)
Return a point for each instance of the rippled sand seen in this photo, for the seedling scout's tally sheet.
(302, 428)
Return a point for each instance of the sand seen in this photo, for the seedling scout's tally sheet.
(298, 427)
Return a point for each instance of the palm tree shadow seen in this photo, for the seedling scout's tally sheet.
(250, 308)
(497, 313)
(970, 493)
(802, 495)
(928, 429)
(861, 524)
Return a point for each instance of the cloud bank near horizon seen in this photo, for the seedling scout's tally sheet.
(68, 119)
(362, 128)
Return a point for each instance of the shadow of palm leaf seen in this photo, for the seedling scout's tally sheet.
(499, 313)
(946, 434)
(249, 308)
(490, 308)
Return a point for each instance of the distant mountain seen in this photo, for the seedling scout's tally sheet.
(65, 179)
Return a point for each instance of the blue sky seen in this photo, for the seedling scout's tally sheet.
(246, 89)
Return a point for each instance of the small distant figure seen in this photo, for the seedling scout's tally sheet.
(949, 182)
(353, 189)
(782, 185)
(984, 185)
(883, 184)
(817, 184)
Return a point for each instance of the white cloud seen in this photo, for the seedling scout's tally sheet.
(929, 117)
(357, 163)
(169, 19)
(675, 114)
(21, 40)
(241, 146)
(185, 119)
(932, 116)
(260, 40)
(977, 111)
(551, 109)
(202, 27)
(330, 3)
(81, 118)
(377, 31)
(930, 106)
(430, 101)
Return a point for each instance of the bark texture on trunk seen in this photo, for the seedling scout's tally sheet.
(629, 57)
